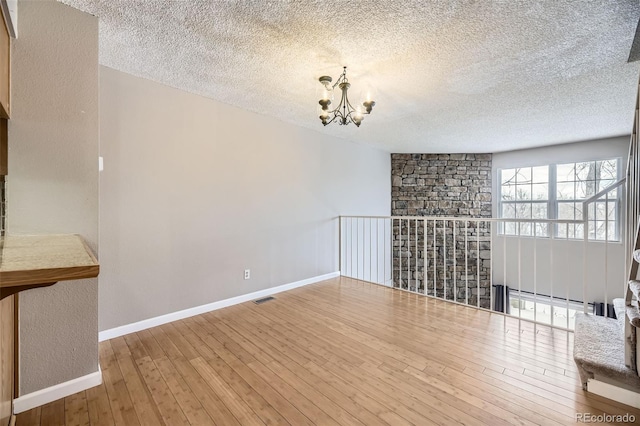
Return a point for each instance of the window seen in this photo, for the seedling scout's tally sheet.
(557, 191)
(525, 195)
(577, 182)
(544, 309)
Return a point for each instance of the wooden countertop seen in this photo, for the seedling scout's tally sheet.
(37, 260)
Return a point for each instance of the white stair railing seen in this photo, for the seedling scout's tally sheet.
(603, 214)
(487, 263)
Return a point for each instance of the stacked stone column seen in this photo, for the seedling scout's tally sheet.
(442, 185)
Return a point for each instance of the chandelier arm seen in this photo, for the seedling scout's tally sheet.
(341, 105)
(332, 119)
(350, 106)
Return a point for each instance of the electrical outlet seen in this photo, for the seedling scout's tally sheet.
(247, 274)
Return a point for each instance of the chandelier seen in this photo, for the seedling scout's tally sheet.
(344, 113)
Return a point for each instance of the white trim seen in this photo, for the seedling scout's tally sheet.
(10, 12)
(53, 393)
(186, 313)
(615, 393)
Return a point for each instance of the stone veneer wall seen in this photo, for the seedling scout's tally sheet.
(442, 185)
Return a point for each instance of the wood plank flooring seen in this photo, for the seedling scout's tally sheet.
(340, 352)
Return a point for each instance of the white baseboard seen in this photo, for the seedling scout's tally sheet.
(607, 390)
(53, 393)
(186, 313)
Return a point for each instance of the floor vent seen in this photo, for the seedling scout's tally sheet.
(264, 299)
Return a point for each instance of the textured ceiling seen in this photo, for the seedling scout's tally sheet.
(447, 76)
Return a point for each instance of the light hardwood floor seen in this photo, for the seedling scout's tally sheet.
(340, 352)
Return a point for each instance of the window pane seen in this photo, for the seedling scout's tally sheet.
(565, 172)
(508, 192)
(578, 207)
(585, 189)
(523, 211)
(510, 228)
(612, 231)
(540, 174)
(540, 191)
(600, 230)
(561, 229)
(565, 191)
(566, 211)
(508, 210)
(601, 210)
(571, 231)
(586, 171)
(612, 211)
(541, 230)
(539, 211)
(508, 176)
(525, 229)
(523, 192)
(523, 175)
(608, 169)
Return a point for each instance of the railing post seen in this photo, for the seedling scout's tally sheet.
(340, 244)
(364, 239)
(435, 261)
(504, 268)
(466, 262)
(455, 281)
(444, 256)
(535, 272)
(478, 263)
(425, 255)
(585, 234)
(378, 250)
(371, 249)
(393, 269)
(519, 270)
(390, 252)
(606, 255)
(416, 254)
(408, 258)
(551, 245)
(491, 265)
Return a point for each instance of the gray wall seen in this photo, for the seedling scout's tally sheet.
(195, 191)
(53, 181)
(559, 264)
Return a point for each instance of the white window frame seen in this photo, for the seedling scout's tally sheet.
(552, 202)
(548, 202)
